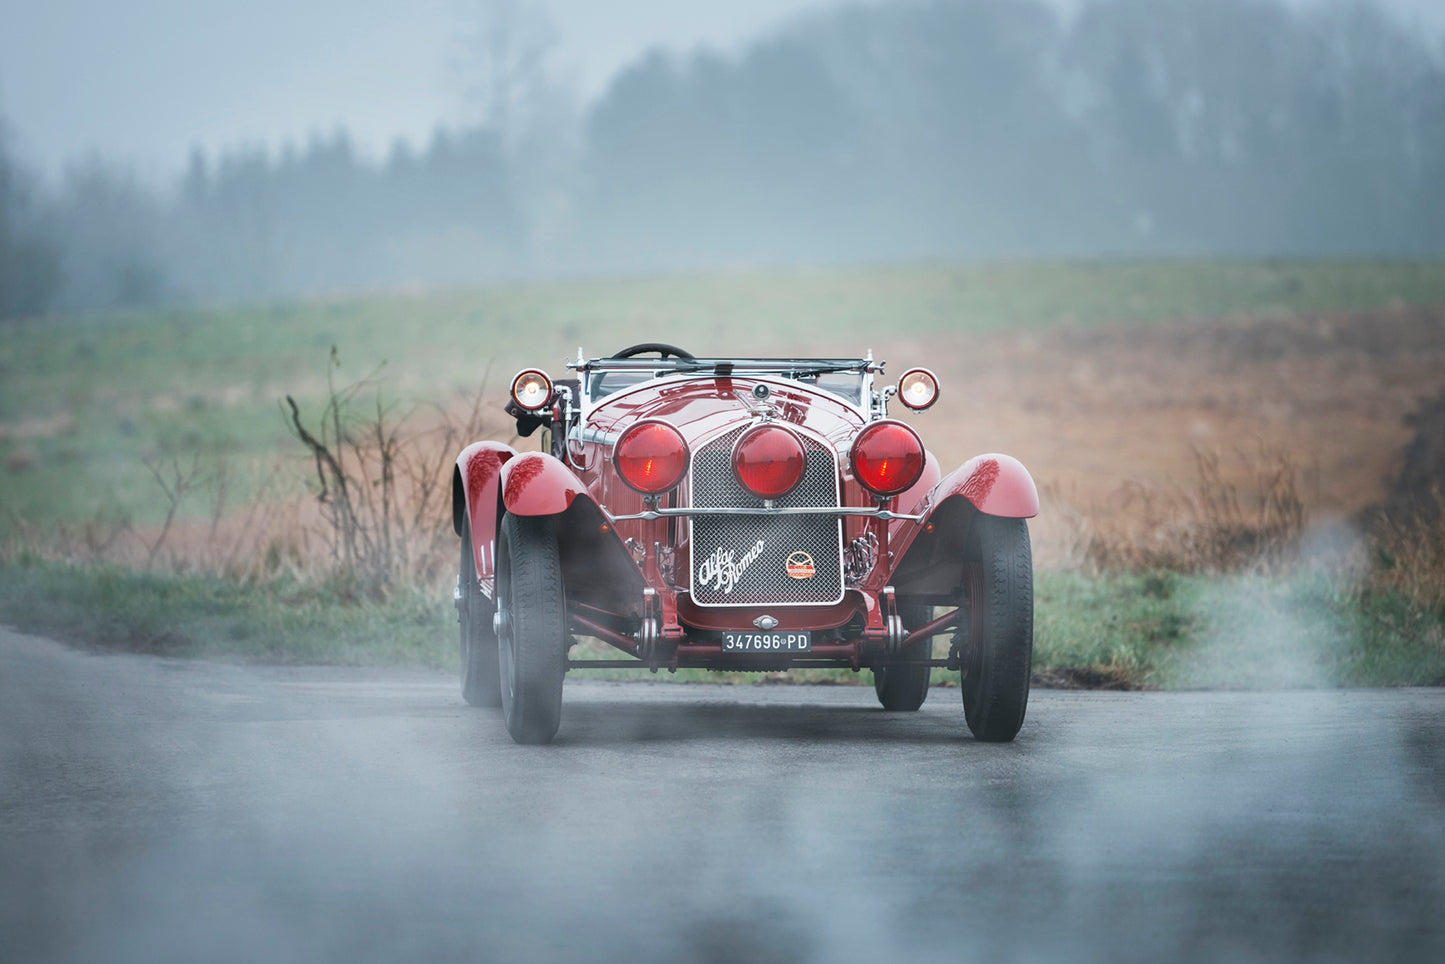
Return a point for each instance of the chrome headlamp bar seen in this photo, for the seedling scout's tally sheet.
(588, 434)
(850, 510)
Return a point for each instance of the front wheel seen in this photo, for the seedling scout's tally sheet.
(998, 649)
(532, 627)
(903, 685)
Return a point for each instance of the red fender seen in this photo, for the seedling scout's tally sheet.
(995, 484)
(930, 552)
(476, 487)
(538, 484)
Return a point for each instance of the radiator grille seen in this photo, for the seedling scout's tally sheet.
(743, 560)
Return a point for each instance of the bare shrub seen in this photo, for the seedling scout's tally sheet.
(1216, 526)
(232, 540)
(380, 515)
(1411, 552)
(175, 485)
(382, 483)
(1408, 525)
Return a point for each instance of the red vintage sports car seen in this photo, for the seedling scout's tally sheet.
(738, 514)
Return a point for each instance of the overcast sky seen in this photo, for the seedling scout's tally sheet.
(146, 80)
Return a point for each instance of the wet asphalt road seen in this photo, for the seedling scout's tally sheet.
(166, 810)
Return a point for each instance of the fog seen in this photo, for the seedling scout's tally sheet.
(483, 141)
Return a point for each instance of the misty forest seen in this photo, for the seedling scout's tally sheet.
(978, 129)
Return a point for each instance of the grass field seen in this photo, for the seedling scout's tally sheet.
(1106, 378)
(84, 399)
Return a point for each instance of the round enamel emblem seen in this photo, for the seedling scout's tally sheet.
(800, 565)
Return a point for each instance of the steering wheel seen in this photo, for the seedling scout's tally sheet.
(665, 351)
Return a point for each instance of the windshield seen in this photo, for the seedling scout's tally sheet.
(603, 384)
(844, 378)
(845, 385)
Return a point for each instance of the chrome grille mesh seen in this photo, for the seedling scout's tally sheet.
(718, 540)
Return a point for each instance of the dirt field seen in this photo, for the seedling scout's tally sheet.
(1105, 416)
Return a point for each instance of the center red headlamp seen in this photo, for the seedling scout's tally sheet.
(769, 461)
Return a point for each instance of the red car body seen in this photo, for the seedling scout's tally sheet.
(707, 573)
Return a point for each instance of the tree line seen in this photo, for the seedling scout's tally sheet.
(972, 128)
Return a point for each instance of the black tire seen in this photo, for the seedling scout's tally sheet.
(998, 652)
(902, 687)
(481, 676)
(533, 640)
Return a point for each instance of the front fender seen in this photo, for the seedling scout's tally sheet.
(476, 496)
(930, 551)
(538, 484)
(994, 484)
(597, 569)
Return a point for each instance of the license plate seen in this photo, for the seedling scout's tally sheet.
(767, 642)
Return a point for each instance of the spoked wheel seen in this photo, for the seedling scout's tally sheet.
(531, 627)
(998, 651)
(901, 686)
(481, 676)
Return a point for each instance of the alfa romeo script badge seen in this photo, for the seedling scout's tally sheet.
(724, 570)
(800, 565)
